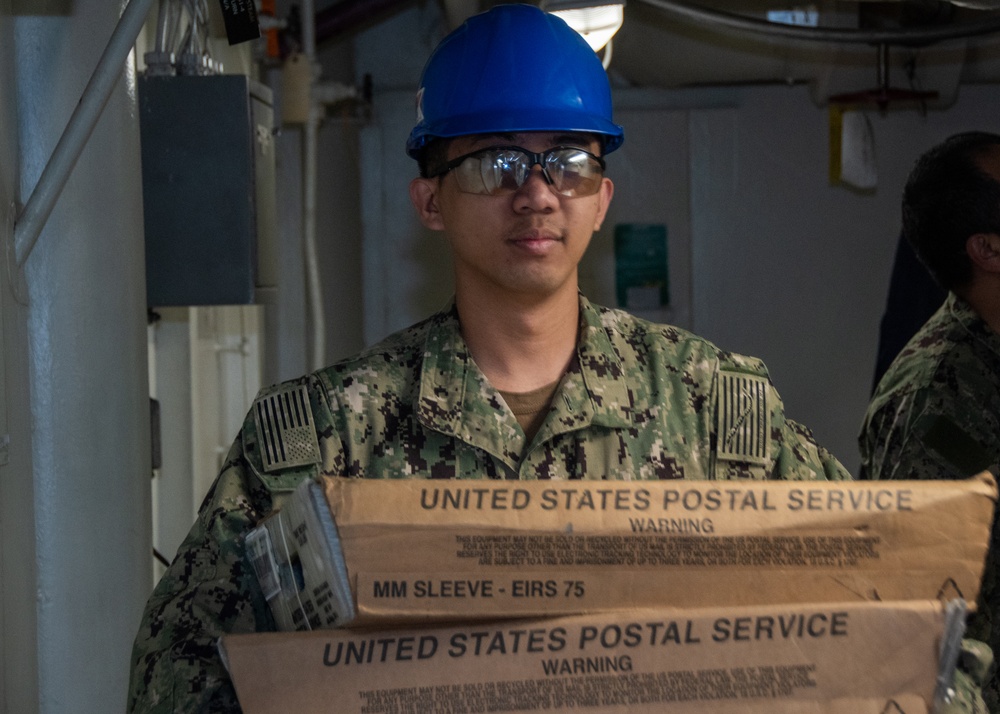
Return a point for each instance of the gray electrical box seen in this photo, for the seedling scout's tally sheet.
(208, 186)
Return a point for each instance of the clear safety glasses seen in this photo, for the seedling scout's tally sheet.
(501, 170)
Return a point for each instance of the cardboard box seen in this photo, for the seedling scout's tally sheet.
(845, 658)
(429, 551)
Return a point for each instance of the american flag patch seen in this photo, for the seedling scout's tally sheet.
(285, 428)
(744, 418)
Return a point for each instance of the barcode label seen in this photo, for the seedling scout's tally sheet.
(258, 544)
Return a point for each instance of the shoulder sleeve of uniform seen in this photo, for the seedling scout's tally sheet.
(800, 457)
(924, 435)
(744, 400)
(753, 436)
(743, 414)
(281, 433)
(207, 591)
(960, 454)
(742, 364)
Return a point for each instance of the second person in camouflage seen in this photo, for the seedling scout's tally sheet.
(936, 412)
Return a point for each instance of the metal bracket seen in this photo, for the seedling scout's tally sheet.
(81, 124)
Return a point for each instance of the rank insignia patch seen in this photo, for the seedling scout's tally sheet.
(744, 418)
(285, 428)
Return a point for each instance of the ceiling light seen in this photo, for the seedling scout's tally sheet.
(597, 21)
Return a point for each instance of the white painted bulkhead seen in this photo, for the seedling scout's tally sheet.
(77, 482)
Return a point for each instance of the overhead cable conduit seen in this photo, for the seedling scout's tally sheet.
(719, 18)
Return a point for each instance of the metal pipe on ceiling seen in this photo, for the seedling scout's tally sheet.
(347, 15)
(30, 223)
(728, 20)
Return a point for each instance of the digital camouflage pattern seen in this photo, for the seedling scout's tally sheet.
(936, 414)
(641, 401)
(975, 662)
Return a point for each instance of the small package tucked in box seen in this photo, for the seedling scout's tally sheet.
(359, 552)
(296, 555)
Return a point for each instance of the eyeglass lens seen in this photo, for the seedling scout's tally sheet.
(500, 170)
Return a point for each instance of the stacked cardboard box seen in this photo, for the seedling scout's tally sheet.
(742, 594)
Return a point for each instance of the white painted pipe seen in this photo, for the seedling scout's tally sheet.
(315, 291)
(309, 29)
(87, 373)
(81, 125)
(310, 147)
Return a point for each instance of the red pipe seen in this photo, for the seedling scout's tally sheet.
(348, 15)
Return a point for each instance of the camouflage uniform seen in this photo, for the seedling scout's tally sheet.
(936, 414)
(641, 401)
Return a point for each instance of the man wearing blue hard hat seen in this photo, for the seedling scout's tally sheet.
(521, 377)
(514, 121)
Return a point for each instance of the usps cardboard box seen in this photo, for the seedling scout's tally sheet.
(844, 658)
(410, 551)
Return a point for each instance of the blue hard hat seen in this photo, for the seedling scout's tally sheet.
(513, 69)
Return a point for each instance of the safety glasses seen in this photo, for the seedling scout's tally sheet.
(501, 170)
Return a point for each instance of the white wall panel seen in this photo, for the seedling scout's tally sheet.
(88, 381)
(792, 269)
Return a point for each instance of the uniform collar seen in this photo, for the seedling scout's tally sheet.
(456, 399)
(602, 371)
(964, 314)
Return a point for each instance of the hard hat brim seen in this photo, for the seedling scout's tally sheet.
(514, 121)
